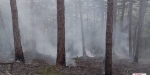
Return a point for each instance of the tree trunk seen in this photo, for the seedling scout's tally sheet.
(82, 31)
(16, 32)
(142, 10)
(130, 27)
(61, 61)
(109, 30)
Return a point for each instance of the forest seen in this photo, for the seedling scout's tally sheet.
(74, 37)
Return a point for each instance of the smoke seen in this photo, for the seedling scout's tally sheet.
(89, 54)
(6, 45)
(121, 45)
(38, 28)
(39, 25)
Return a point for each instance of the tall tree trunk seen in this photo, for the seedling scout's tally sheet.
(142, 10)
(82, 30)
(16, 32)
(109, 31)
(130, 27)
(136, 30)
(61, 60)
(134, 40)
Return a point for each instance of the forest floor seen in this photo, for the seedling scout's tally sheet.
(84, 66)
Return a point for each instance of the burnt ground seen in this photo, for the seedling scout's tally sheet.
(84, 66)
(95, 66)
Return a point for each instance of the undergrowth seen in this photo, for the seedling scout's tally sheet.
(51, 70)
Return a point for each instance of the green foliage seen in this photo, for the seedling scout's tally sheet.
(51, 70)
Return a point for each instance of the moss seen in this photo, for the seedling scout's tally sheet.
(51, 70)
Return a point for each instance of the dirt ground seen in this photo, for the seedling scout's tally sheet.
(95, 66)
(84, 66)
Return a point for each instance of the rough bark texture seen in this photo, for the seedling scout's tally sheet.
(61, 61)
(82, 31)
(16, 32)
(109, 30)
(130, 27)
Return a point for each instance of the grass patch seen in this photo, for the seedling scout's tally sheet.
(77, 58)
(51, 70)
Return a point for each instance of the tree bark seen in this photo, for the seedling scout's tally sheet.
(61, 61)
(82, 30)
(109, 30)
(16, 32)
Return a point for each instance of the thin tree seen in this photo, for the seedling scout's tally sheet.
(61, 61)
(142, 10)
(130, 26)
(82, 31)
(109, 30)
(16, 32)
